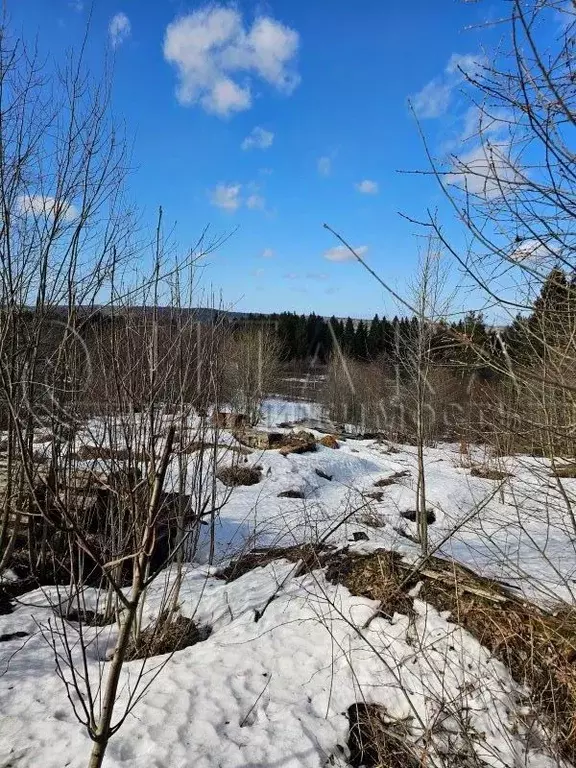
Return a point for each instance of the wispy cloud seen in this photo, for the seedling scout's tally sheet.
(316, 276)
(487, 170)
(367, 187)
(226, 196)
(119, 29)
(256, 202)
(217, 56)
(46, 206)
(258, 139)
(324, 166)
(341, 253)
(435, 97)
(268, 253)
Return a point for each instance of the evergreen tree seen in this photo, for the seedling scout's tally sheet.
(360, 348)
(348, 335)
(374, 340)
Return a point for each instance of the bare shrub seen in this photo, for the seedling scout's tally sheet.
(251, 364)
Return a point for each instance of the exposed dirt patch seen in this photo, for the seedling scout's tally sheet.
(7, 636)
(412, 515)
(234, 476)
(374, 740)
(489, 474)
(391, 480)
(313, 557)
(167, 637)
(291, 495)
(88, 618)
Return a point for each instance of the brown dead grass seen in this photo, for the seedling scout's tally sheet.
(568, 471)
(167, 637)
(376, 576)
(391, 480)
(376, 741)
(538, 648)
(312, 556)
(197, 445)
(487, 473)
(95, 452)
(372, 519)
(234, 476)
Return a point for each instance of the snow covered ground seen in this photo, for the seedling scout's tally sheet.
(275, 692)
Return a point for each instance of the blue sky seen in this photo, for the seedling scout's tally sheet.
(267, 119)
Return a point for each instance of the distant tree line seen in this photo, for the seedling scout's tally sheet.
(464, 343)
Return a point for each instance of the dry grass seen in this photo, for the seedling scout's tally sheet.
(312, 556)
(198, 445)
(376, 576)
(167, 637)
(376, 741)
(391, 480)
(234, 476)
(94, 452)
(568, 470)
(372, 519)
(538, 648)
(489, 474)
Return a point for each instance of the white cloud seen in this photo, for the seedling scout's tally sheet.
(434, 98)
(324, 166)
(257, 272)
(534, 250)
(255, 202)
(487, 170)
(316, 276)
(226, 196)
(229, 197)
(291, 276)
(367, 187)
(341, 253)
(258, 139)
(42, 205)
(268, 253)
(464, 64)
(119, 29)
(217, 56)
(77, 5)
